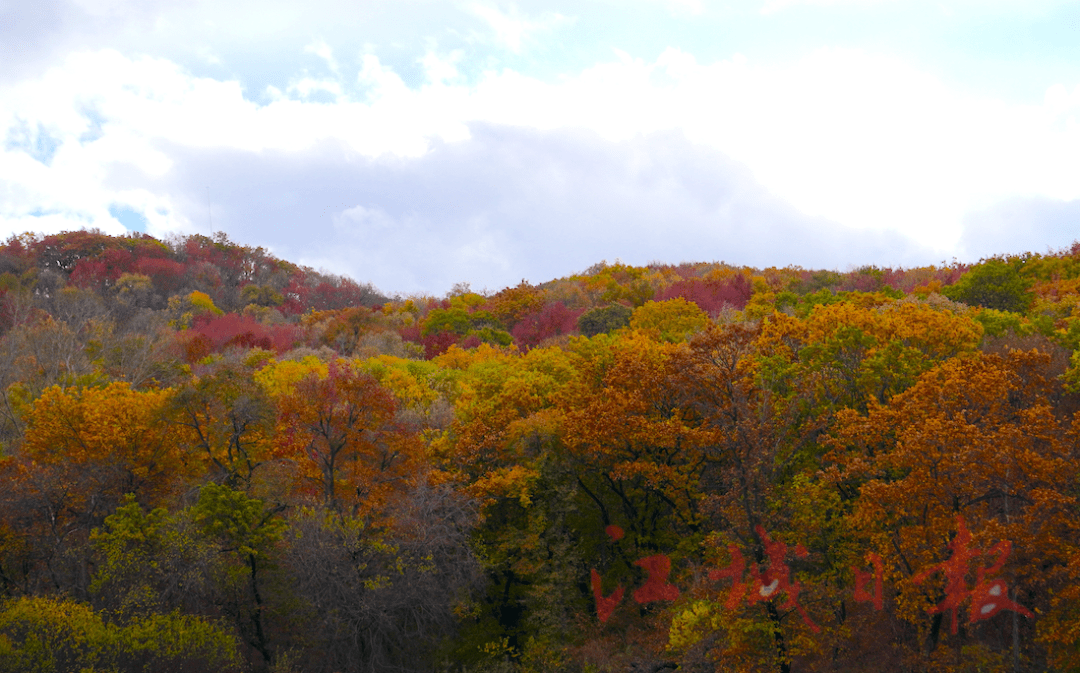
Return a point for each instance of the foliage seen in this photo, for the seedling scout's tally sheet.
(510, 306)
(712, 295)
(147, 563)
(114, 434)
(244, 525)
(229, 419)
(996, 283)
(45, 635)
(975, 437)
(336, 428)
(445, 327)
(551, 321)
(604, 320)
(384, 600)
(674, 319)
(217, 460)
(235, 331)
(247, 530)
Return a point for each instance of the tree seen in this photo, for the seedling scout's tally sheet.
(768, 393)
(604, 320)
(50, 634)
(247, 530)
(511, 305)
(673, 320)
(994, 283)
(117, 436)
(229, 419)
(43, 352)
(83, 450)
(757, 442)
(476, 327)
(149, 562)
(867, 347)
(712, 295)
(384, 598)
(264, 295)
(505, 449)
(338, 427)
(635, 448)
(550, 321)
(978, 437)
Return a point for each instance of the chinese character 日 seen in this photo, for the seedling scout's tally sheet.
(861, 578)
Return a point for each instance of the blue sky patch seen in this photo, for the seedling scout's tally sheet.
(132, 219)
(34, 140)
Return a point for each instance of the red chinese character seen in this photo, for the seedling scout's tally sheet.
(955, 570)
(604, 605)
(614, 532)
(988, 597)
(656, 587)
(735, 571)
(861, 578)
(765, 586)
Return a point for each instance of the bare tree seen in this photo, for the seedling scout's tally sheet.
(380, 600)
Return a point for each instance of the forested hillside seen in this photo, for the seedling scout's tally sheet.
(216, 460)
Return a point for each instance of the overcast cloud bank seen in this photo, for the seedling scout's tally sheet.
(479, 156)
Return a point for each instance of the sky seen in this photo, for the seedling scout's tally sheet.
(417, 144)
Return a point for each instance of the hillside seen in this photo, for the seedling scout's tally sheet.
(218, 460)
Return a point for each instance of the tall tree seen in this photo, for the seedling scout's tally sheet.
(338, 428)
(229, 419)
(978, 439)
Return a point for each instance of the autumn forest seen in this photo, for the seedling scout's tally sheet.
(216, 460)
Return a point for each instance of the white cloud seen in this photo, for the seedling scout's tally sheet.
(850, 136)
(305, 87)
(442, 69)
(946, 7)
(513, 202)
(514, 31)
(321, 49)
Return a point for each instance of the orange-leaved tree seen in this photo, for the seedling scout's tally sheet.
(978, 444)
(338, 428)
(83, 450)
(638, 452)
(115, 436)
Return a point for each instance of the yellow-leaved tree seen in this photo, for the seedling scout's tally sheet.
(84, 449)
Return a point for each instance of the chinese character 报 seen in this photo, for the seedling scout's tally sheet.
(988, 597)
